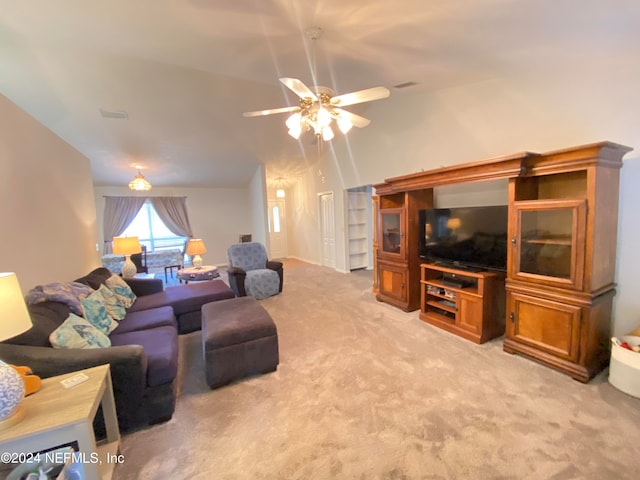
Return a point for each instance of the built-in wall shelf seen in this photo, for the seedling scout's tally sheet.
(359, 227)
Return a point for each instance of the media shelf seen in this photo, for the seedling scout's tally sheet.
(467, 303)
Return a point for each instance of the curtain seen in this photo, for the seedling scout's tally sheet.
(119, 212)
(173, 212)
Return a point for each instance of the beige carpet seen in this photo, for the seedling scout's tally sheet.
(366, 391)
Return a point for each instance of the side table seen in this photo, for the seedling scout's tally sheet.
(58, 416)
(208, 272)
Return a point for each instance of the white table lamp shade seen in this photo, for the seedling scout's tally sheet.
(14, 319)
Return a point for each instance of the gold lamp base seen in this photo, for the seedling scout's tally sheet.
(14, 418)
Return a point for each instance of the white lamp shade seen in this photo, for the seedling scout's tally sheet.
(126, 245)
(327, 133)
(344, 124)
(14, 317)
(323, 118)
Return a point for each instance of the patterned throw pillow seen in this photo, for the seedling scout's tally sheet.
(94, 309)
(122, 290)
(114, 306)
(77, 332)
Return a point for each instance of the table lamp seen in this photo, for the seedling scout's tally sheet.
(127, 246)
(196, 247)
(14, 319)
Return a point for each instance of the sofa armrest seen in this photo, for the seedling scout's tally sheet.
(277, 266)
(145, 286)
(236, 277)
(128, 365)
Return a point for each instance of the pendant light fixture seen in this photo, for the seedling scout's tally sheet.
(139, 183)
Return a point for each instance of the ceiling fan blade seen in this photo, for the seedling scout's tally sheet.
(375, 93)
(356, 120)
(259, 113)
(299, 88)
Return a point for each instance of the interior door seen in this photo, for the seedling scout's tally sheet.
(327, 230)
(277, 229)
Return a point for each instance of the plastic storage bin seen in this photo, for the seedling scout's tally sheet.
(624, 368)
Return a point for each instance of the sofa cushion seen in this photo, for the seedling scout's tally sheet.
(185, 298)
(145, 319)
(45, 317)
(77, 332)
(122, 291)
(94, 309)
(161, 347)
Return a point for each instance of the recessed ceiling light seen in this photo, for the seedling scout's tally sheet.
(121, 114)
(405, 85)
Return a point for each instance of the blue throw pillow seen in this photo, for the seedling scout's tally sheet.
(121, 289)
(77, 332)
(95, 311)
(114, 306)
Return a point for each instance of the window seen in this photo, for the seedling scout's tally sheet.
(152, 231)
(276, 219)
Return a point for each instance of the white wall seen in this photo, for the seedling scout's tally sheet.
(259, 208)
(47, 212)
(217, 215)
(303, 229)
(538, 112)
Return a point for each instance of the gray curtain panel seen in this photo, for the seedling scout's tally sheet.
(173, 212)
(119, 212)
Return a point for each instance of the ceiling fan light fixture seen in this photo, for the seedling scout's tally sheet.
(318, 106)
(344, 125)
(323, 118)
(293, 120)
(295, 132)
(327, 133)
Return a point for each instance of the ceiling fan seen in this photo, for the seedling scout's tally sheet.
(319, 107)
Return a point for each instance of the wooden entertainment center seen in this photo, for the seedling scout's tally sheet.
(554, 304)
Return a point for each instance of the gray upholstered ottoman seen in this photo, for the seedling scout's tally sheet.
(239, 339)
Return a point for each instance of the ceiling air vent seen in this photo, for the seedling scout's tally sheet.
(121, 114)
(405, 85)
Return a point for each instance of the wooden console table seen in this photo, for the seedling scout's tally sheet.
(58, 416)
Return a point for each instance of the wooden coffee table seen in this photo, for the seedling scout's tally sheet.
(207, 272)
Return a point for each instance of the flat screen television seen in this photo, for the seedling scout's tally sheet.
(474, 238)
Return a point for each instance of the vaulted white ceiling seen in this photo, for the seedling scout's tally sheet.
(184, 72)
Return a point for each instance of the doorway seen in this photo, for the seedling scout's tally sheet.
(327, 229)
(277, 229)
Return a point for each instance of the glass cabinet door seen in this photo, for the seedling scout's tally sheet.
(545, 243)
(392, 231)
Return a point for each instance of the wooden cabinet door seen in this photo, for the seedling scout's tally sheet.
(392, 239)
(393, 281)
(545, 325)
(469, 316)
(548, 242)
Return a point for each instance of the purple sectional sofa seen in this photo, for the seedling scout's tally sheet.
(144, 347)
